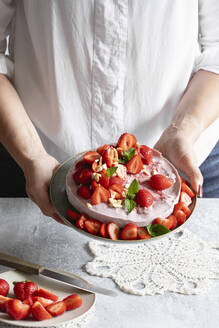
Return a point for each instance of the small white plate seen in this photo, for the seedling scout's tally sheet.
(61, 289)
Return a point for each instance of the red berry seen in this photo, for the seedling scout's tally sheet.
(100, 195)
(72, 215)
(129, 232)
(116, 180)
(3, 301)
(84, 192)
(4, 287)
(17, 310)
(92, 226)
(57, 308)
(142, 233)
(39, 312)
(94, 184)
(118, 190)
(82, 164)
(185, 198)
(23, 290)
(165, 222)
(183, 207)
(102, 149)
(146, 154)
(85, 176)
(113, 231)
(180, 216)
(42, 292)
(126, 141)
(144, 198)
(90, 156)
(103, 230)
(76, 175)
(188, 190)
(160, 182)
(73, 302)
(135, 165)
(110, 156)
(44, 301)
(104, 180)
(80, 222)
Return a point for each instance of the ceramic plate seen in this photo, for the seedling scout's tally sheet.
(60, 201)
(60, 289)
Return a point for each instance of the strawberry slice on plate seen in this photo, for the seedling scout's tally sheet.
(188, 190)
(168, 222)
(113, 231)
(144, 198)
(72, 215)
(118, 190)
(4, 287)
(160, 182)
(183, 207)
(126, 141)
(116, 180)
(72, 302)
(44, 301)
(81, 221)
(24, 289)
(100, 195)
(17, 310)
(146, 154)
(3, 301)
(134, 165)
(102, 149)
(57, 308)
(90, 156)
(129, 232)
(84, 192)
(92, 226)
(39, 312)
(180, 216)
(103, 230)
(185, 198)
(110, 155)
(42, 292)
(142, 233)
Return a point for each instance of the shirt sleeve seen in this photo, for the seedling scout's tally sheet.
(7, 11)
(208, 36)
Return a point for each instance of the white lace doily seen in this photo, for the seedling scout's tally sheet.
(181, 263)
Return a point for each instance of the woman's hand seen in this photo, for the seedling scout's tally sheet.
(178, 148)
(38, 174)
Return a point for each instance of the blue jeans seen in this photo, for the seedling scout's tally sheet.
(210, 171)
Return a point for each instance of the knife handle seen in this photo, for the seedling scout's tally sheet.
(19, 264)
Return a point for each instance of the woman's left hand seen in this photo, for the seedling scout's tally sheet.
(176, 146)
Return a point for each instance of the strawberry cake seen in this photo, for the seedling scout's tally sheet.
(124, 183)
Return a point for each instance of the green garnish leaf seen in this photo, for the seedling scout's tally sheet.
(133, 189)
(156, 230)
(127, 155)
(110, 171)
(129, 204)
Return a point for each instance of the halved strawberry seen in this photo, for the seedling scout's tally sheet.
(182, 206)
(44, 301)
(144, 198)
(110, 155)
(72, 215)
(90, 156)
(92, 226)
(126, 141)
(84, 192)
(173, 221)
(113, 231)
(142, 233)
(24, 289)
(146, 154)
(165, 222)
(28, 300)
(116, 180)
(185, 198)
(135, 164)
(85, 176)
(3, 301)
(82, 164)
(100, 195)
(94, 166)
(118, 190)
(160, 182)
(76, 175)
(180, 216)
(17, 310)
(94, 184)
(103, 230)
(73, 302)
(42, 292)
(104, 180)
(4, 287)
(102, 149)
(80, 222)
(57, 308)
(129, 232)
(39, 312)
(188, 190)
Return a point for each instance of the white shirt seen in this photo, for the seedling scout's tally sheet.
(87, 71)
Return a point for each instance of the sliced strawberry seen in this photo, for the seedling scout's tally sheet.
(90, 156)
(165, 222)
(72, 215)
(135, 165)
(73, 302)
(102, 149)
(57, 308)
(94, 184)
(129, 232)
(17, 310)
(82, 164)
(146, 154)
(142, 233)
(116, 180)
(28, 300)
(23, 289)
(4, 287)
(80, 222)
(183, 207)
(112, 230)
(144, 198)
(185, 198)
(39, 312)
(110, 155)
(92, 226)
(85, 176)
(126, 141)
(180, 216)
(103, 230)
(100, 195)
(42, 292)
(3, 301)
(84, 192)
(188, 190)
(94, 166)
(121, 171)
(118, 190)
(173, 221)
(104, 180)
(76, 175)
(160, 182)
(44, 301)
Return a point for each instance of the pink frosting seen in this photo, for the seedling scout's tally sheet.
(162, 206)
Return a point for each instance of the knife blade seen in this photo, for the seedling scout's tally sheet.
(67, 277)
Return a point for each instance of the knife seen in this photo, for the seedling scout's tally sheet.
(67, 277)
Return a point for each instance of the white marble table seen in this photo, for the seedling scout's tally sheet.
(26, 233)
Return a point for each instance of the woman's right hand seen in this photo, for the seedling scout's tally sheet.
(38, 174)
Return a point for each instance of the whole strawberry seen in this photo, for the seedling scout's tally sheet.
(4, 287)
(24, 289)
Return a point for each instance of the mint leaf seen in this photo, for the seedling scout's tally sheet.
(156, 230)
(133, 189)
(127, 155)
(129, 204)
(111, 171)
